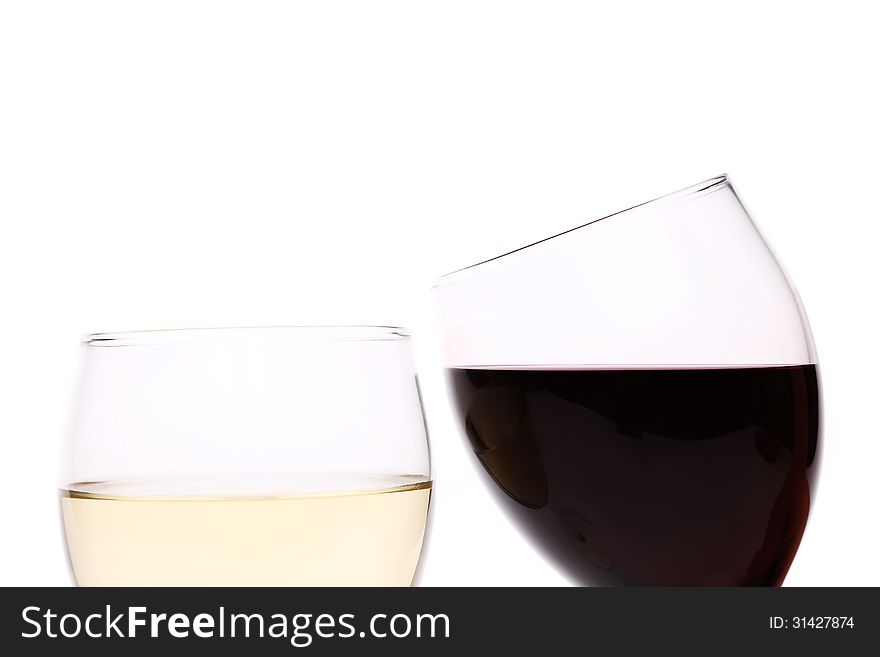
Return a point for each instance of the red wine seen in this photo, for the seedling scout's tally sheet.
(651, 477)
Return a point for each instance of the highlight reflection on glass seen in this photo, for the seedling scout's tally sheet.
(286, 456)
(642, 393)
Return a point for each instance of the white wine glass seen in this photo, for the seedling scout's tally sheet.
(274, 456)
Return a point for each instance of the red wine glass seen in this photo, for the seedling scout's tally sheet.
(642, 393)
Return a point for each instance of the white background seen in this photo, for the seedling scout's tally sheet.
(224, 163)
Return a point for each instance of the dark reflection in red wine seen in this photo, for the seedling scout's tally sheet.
(651, 477)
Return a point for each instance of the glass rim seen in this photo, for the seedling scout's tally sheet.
(709, 185)
(350, 332)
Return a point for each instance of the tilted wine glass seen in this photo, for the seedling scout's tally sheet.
(642, 392)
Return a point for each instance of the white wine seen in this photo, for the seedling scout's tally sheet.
(367, 532)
